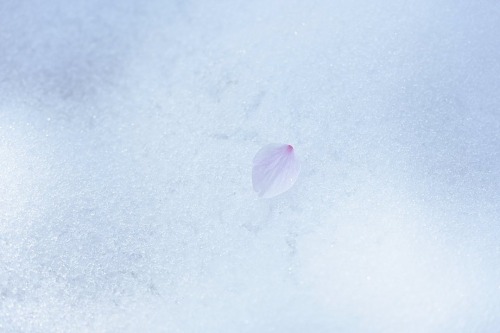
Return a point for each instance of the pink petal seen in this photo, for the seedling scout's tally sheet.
(275, 170)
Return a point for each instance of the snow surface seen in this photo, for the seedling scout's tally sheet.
(127, 132)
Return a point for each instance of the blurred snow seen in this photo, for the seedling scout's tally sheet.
(127, 131)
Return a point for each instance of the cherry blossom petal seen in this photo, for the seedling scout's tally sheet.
(275, 170)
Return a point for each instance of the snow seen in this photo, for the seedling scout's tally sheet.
(127, 132)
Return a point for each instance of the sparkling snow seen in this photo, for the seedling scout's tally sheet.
(127, 132)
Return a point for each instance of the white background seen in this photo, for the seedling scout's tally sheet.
(127, 132)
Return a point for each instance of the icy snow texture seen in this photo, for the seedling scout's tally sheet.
(127, 132)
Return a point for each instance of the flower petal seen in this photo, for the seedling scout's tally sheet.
(275, 170)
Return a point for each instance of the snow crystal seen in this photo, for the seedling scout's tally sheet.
(127, 132)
